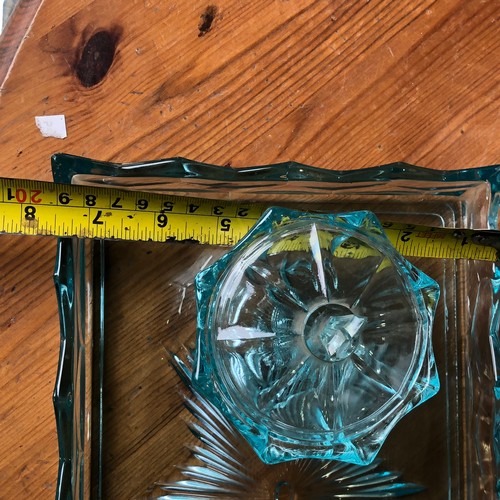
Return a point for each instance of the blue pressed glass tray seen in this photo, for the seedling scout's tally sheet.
(125, 307)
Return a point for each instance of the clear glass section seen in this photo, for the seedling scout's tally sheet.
(136, 431)
(229, 468)
(73, 396)
(314, 336)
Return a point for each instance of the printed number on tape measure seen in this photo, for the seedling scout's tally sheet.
(44, 208)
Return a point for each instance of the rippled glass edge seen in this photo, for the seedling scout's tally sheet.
(77, 290)
(68, 388)
(66, 166)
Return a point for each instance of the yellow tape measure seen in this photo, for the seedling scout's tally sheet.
(44, 208)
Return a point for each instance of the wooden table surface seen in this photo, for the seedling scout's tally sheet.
(336, 84)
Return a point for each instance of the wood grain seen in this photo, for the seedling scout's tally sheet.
(337, 84)
(348, 84)
(29, 348)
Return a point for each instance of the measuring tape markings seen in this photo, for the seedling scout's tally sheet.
(35, 207)
(422, 241)
(44, 208)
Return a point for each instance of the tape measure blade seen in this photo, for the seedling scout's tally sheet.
(43, 208)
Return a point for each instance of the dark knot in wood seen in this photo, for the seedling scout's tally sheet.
(96, 58)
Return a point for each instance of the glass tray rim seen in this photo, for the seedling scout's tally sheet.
(65, 166)
(185, 168)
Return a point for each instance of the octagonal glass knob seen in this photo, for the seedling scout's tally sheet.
(314, 336)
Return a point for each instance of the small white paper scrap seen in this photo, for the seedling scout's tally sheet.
(52, 126)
